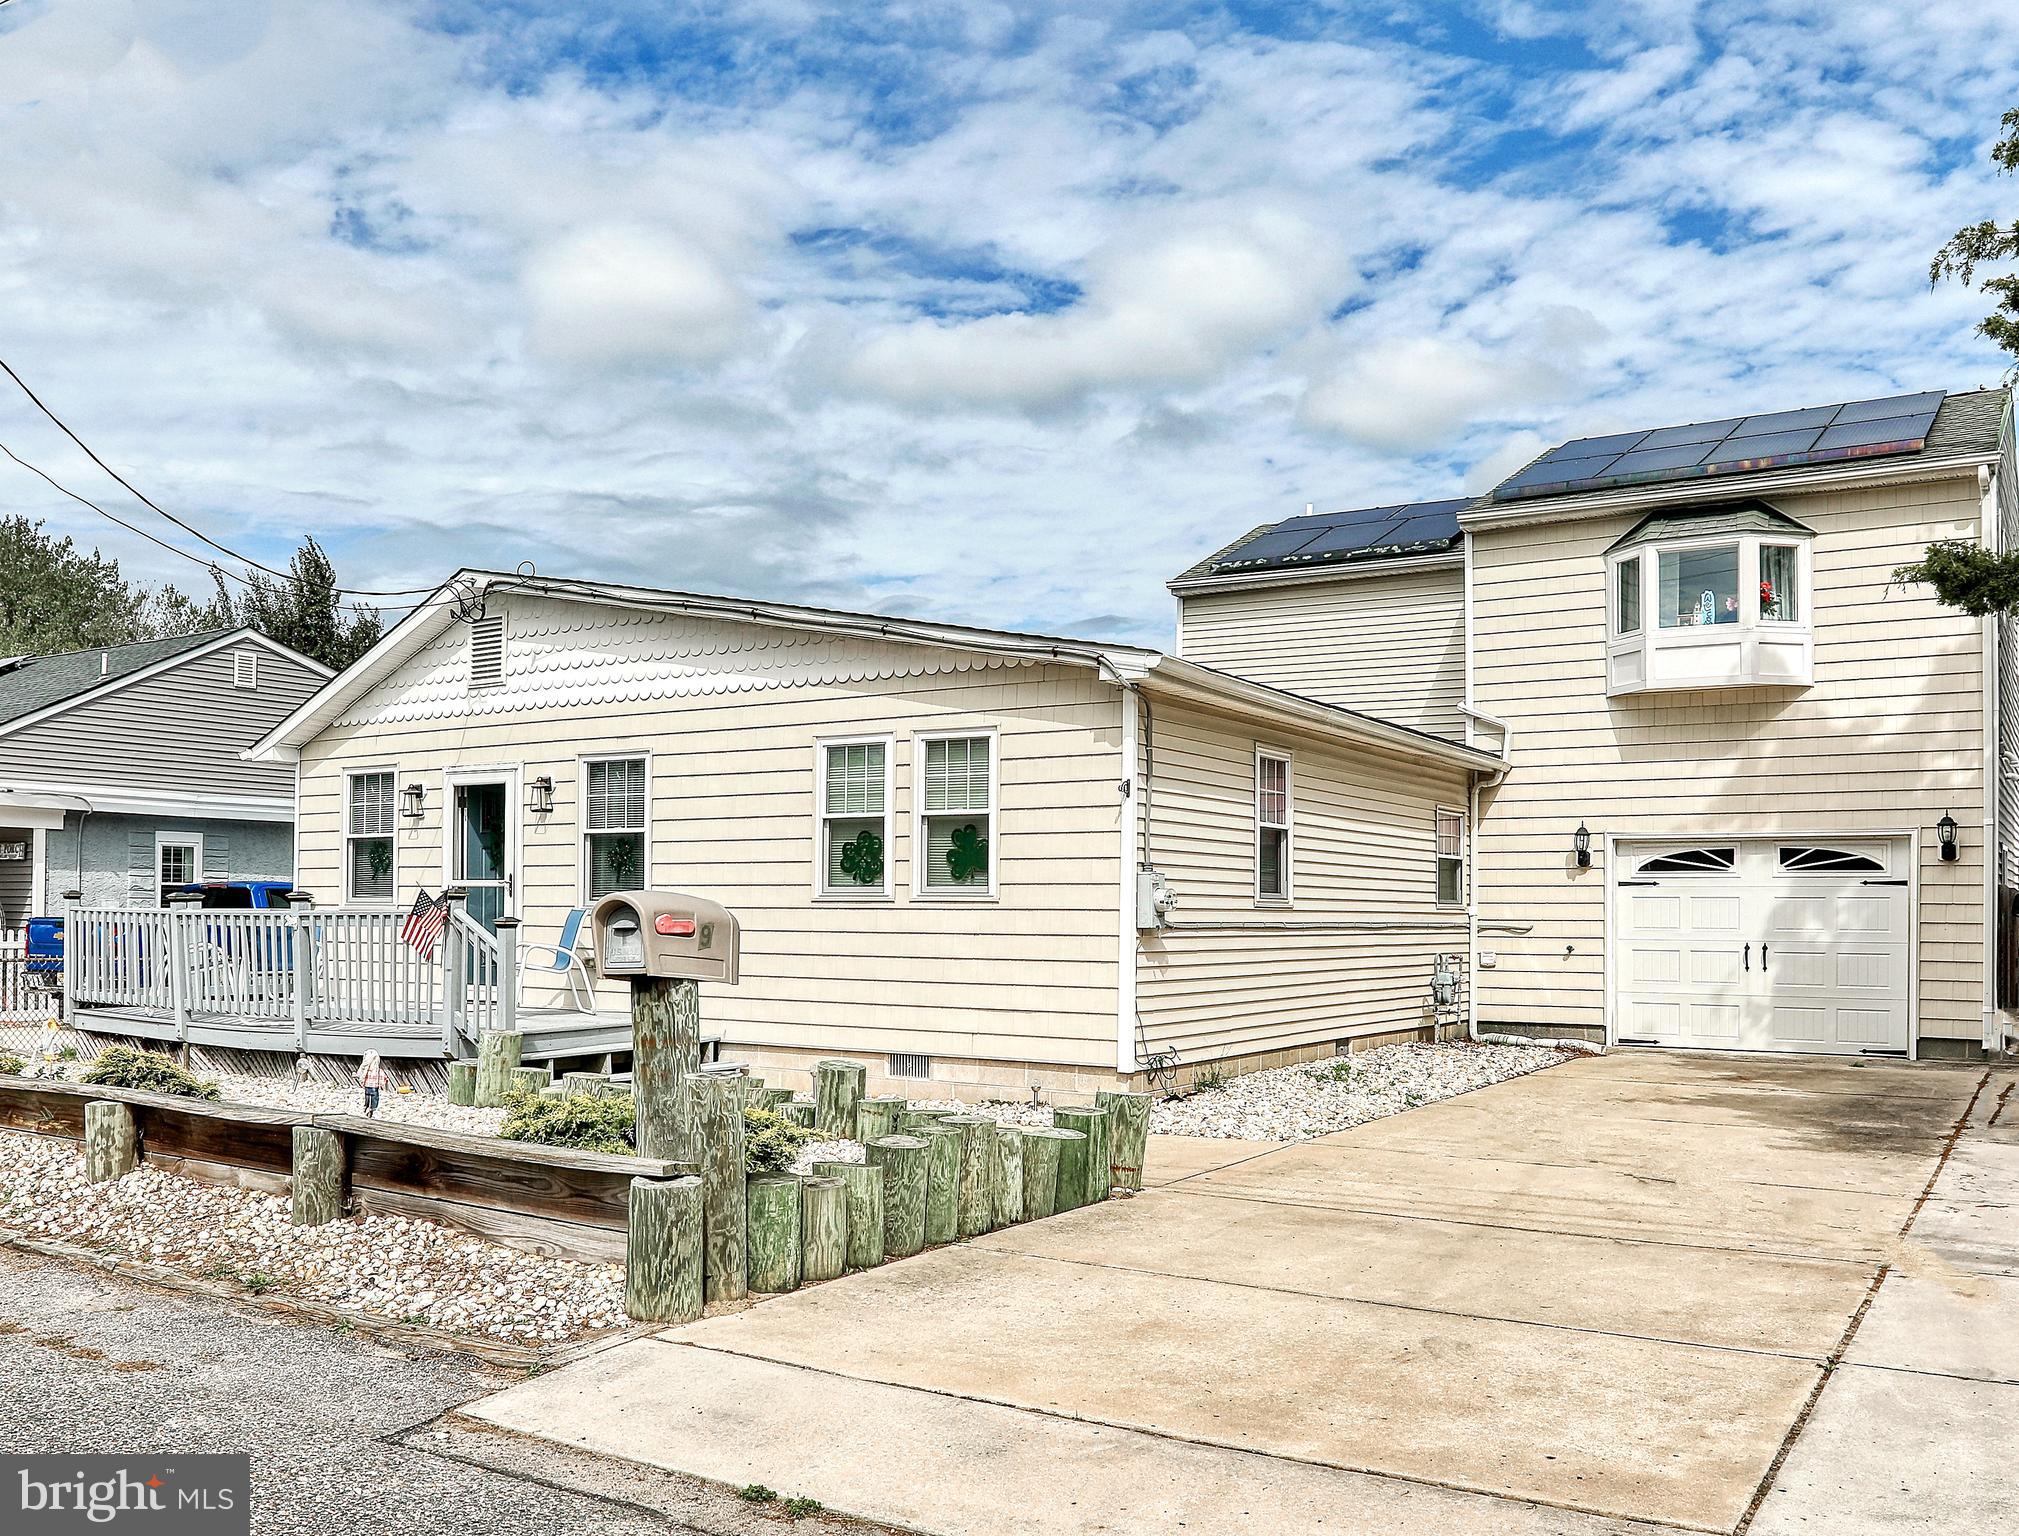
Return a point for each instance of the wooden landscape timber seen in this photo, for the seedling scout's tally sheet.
(902, 1159)
(1006, 1175)
(1043, 1145)
(110, 1149)
(877, 1118)
(716, 1109)
(774, 1233)
(318, 1182)
(837, 1095)
(942, 1188)
(663, 1257)
(864, 1185)
(665, 1057)
(1128, 1134)
(463, 1083)
(1083, 1164)
(976, 1210)
(497, 1054)
(823, 1228)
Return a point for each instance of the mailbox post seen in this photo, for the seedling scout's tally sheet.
(666, 943)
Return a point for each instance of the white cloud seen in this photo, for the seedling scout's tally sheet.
(618, 293)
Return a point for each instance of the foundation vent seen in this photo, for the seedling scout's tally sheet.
(906, 1064)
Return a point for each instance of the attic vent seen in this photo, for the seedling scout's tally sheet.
(487, 653)
(245, 669)
(903, 1064)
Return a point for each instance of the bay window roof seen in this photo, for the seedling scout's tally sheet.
(1737, 517)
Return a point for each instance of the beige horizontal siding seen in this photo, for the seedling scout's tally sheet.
(1391, 646)
(1031, 976)
(1889, 737)
(1353, 951)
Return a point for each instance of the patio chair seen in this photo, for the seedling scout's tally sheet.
(564, 959)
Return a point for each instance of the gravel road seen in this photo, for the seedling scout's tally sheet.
(93, 1362)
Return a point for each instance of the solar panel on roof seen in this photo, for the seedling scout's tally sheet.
(1769, 440)
(1330, 537)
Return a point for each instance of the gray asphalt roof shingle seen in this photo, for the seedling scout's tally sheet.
(35, 682)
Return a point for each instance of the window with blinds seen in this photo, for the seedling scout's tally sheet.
(368, 837)
(957, 816)
(1450, 858)
(854, 836)
(1272, 827)
(613, 825)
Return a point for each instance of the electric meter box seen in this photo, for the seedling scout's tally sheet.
(1155, 900)
(666, 933)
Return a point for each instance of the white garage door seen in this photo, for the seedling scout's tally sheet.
(1762, 946)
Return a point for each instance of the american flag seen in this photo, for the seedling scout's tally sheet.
(424, 923)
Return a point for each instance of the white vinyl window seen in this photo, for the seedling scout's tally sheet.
(956, 816)
(1626, 602)
(1272, 827)
(368, 836)
(1450, 858)
(1780, 583)
(178, 861)
(854, 832)
(613, 825)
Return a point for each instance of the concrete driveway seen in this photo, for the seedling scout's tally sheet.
(1640, 1291)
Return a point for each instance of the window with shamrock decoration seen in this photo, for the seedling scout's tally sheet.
(368, 836)
(854, 796)
(613, 825)
(957, 815)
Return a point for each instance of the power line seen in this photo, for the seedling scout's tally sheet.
(212, 566)
(141, 497)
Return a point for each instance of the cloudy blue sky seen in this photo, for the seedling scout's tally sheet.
(1003, 313)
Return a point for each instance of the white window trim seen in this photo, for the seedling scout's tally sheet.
(582, 829)
(1437, 858)
(166, 838)
(1289, 762)
(1612, 587)
(344, 842)
(888, 890)
(919, 742)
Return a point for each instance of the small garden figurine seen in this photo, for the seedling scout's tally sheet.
(371, 1073)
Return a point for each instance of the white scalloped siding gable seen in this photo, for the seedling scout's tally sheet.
(730, 713)
(560, 653)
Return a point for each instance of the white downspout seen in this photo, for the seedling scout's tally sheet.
(1128, 945)
(1993, 769)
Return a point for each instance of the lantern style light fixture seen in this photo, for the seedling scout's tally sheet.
(1945, 834)
(540, 795)
(410, 800)
(1580, 840)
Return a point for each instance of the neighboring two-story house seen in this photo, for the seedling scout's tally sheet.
(1753, 797)
(121, 772)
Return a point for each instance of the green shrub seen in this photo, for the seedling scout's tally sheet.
(11, 1066)
(586, 1122)
(797, 1507)
(597, 1123)
(756, 1493)
(771, 1143)
(121, 1066)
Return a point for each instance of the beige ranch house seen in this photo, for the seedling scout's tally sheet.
(968, 858)
(1757, 795)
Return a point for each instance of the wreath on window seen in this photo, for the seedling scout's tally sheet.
(862, 858)
(380, 856)
(623, 861)
(967, 855)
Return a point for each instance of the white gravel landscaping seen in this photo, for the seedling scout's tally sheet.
(406, 1271)
(1293, 1103)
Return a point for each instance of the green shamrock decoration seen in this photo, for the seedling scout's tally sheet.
(862, 859)
(967, 858)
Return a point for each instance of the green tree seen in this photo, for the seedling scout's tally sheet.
(1965, 575)
(57, 597)
(305, 612)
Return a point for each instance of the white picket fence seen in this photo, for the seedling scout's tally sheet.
(291, 970)
(19, 1002)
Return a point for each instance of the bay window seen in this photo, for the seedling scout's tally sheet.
(1726, 591)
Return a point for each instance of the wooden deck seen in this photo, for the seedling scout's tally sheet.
(318, 983)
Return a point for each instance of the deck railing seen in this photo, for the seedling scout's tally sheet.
(343, 970)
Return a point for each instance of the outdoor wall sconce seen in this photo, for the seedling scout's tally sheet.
(410, 801)
(1580, 840)
(540, 796)
(1945, 834)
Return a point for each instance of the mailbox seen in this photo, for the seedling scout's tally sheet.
(665, 933)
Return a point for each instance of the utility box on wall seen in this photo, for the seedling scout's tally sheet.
(1155, 900)
(666, 933)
